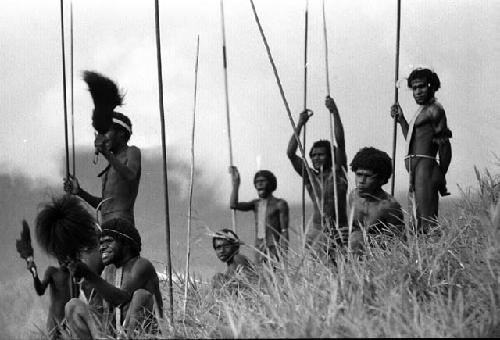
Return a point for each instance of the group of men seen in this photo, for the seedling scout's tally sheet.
(373, 211)
(122, 287)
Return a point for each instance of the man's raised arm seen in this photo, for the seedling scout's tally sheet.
(293, 145)
(233, 200)
(340, 155)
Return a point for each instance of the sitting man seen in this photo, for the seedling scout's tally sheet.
(227, 247)
(375, 212)
(133, 296)
(271, 214)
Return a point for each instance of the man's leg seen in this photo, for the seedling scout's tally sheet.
(428, 180)
(140, 309)
(78, 316)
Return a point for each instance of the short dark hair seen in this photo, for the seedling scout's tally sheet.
(269, 176)
(123, 231)
(120, 116)
(373, 159)
(430, 76)
(323, 143)
(226, 235)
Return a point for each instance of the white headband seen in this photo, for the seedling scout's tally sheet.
(121, 123)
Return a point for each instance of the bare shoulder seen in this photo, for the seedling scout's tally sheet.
(435, 111)
(134, 151)
(241, 260)
(281, 203)
(143, 265)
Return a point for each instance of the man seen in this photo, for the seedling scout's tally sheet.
(271, 214)
(227, 248)
(135, 294)
(323, 222)
(120, 179)
(427, 135)
(63, 228)
(375, 212)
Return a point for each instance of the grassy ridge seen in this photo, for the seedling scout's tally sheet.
(446, 284)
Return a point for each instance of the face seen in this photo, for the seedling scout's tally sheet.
(113, 139)
(110, 249)
(319, 157)
(223, 249)
(367, 182)
(263, 186)
(422, 91)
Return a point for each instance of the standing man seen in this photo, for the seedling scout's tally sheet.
(427, 135)
(271, 214)
(134, 295)
(322, 173)
(120, 178)
(375, 212)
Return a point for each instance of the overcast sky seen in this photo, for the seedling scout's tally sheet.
(459, 39)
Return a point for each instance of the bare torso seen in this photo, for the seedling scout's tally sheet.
(273, 220)
(325, 189)
(59, 285)
(118, 193)
(375, 213)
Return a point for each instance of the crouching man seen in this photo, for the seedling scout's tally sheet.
(227, 248)
(129, 301)
(374, 211)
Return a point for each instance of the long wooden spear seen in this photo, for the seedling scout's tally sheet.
(333, 141)
(396, 92)
(224, 62)
(72, 96)
(164, 152)
(306, 21)
(287, 107)
(64, 90)
(73, 291)
(191, 183)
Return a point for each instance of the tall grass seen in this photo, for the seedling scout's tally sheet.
(444, 284)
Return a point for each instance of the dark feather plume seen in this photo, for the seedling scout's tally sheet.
(106, 97)
(64, 228)
(23, 244)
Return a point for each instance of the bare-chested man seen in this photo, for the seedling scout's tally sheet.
(227, 247)
(135, 294)
(120, 179)
(322, 173)
(427, 135)
(271, 214)
(375, 211)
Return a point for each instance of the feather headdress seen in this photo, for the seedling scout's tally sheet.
(23, 244)
(64, 228)
(106, 97)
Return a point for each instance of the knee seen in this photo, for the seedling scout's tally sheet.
(74, 307)
(141, 297)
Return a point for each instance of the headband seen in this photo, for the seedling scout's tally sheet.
(123, 124)
(119, 233)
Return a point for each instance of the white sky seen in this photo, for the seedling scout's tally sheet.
(460, 39)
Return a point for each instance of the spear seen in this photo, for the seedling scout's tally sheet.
(396, 77)
(332, 125)
(72, 97)
(287, 107)
(186, 276)
(164, 152)
(64, 91)
(224, 62)
(306, 15)
(72, 289)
